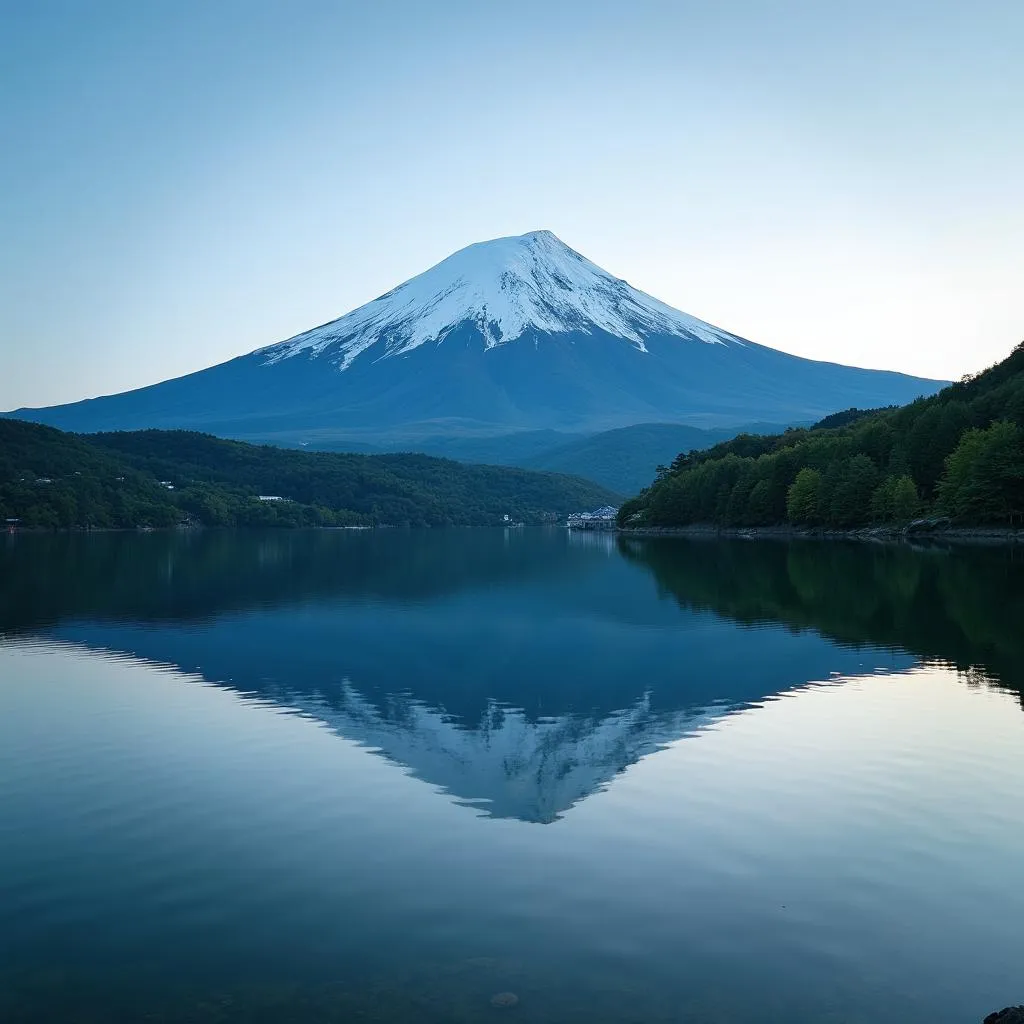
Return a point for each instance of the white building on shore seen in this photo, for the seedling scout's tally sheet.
(600, 519)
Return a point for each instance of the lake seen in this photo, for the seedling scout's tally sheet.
(387, 775)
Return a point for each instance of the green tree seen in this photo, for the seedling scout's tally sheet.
(905, 501)
(802, 498)
(984, 479)
(882, 465)
(737, 510)
(881, 501)
(759, 504)
(853, 483)
(895, 500)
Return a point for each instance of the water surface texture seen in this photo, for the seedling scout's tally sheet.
(385, 775)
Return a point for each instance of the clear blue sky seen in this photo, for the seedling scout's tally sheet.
(183, 181)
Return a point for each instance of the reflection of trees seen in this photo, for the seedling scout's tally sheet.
(195, 574)
(964, 606)
(989, 609)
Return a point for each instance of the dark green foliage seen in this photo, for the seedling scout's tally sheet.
(984, 479)
(959, 453)
(895, 501)
(844, 418)
(57, 480)
(52, 479)
(803, 500)
(848, 487)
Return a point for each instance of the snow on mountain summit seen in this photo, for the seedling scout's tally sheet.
(504, 287)
(504, 337)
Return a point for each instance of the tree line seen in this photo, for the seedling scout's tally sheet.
(959, 453)
(157, 478)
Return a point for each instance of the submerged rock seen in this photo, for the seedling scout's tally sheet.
(504, 1000)
(1011, 1015)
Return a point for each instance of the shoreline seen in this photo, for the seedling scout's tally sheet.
(952, 534)
(992, 535)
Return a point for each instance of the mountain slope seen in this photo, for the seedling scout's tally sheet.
(626, 459)
(512, 335)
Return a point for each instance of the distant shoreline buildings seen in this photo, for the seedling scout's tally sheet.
(602, 518)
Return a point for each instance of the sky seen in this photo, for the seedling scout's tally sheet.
(183, 182)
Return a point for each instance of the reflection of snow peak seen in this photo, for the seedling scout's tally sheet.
(510, 766)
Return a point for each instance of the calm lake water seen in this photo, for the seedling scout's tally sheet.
(385, 775)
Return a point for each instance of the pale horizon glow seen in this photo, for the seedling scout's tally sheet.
(186, 183)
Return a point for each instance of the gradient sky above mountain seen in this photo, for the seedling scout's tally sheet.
(185, 182)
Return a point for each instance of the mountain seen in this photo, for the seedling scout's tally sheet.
(511, 335)
(624, 460)
(957, 454)
(627, 459)
(157, 478)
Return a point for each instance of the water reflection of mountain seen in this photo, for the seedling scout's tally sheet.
(507, 764)
(518, 671)
(551, 741)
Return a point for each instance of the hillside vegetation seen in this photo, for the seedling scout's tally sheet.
(959, 454)
(625, 459)
(161, 478)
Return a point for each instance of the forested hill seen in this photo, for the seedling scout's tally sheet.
(959, 453)
(157, 478)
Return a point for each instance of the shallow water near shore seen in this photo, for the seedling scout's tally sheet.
(387, 775)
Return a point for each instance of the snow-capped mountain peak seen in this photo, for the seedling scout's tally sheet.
(505, 287)
(503, 337)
